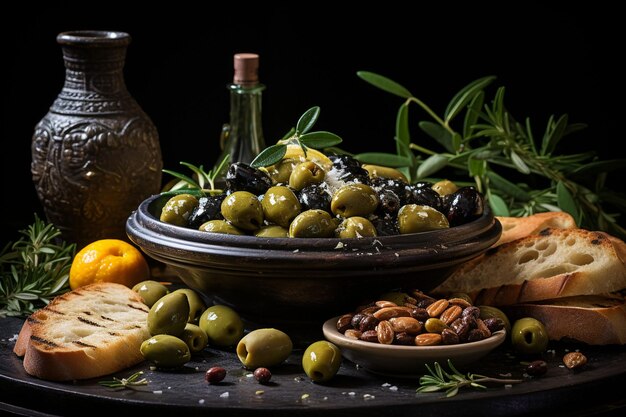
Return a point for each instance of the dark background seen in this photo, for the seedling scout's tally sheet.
(552, 59)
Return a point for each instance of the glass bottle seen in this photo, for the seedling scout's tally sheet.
(242, 138)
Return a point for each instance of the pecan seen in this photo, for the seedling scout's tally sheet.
(385, 303)
(368, 323)
(451, 313)
(384, 333)
(438, 307)
(353, 334)
(574, 360)
(428, 339)
(344, 323)
(370, 336)
(449, 337)
(389, 312)
(368, 311)
(459, 302)
(405, 324)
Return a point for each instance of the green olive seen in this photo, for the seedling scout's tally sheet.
(281, 171)
(529, 336)
(264, 347)
(195, 338)
(306, 173)
(169, 315)
(272, 230)
(413, 218)
(220, 226)
(321, 361)
(196, 304)
(222, 325)
(280, 206)
(243, 209)
(354, 200)
(489, 312)
(150, 291)
(445, 187)
(165, 351)
(178, 209)
(376, 171)
(355, 227)
(312, 223)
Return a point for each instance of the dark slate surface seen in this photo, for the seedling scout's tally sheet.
(596, 389)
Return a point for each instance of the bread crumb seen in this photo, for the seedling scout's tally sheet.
(339, 245)
(508, 374)
(325, 398)
(298, 379)
(225, 395)
(508, 386)
(200, 401)
(304, 396)
(250, 375)
(367, 397)
(13, 339)
(386, 384)
(159, 392)
(259, 392)
(393, 388)
(352, 393)
(296, 251)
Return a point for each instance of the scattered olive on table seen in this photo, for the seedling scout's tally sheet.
(194, 337)
(215, 375)
(196, 304)
(264, 348)
(263, 375)
(321, 361)
(169, 315)
(306, 199)
(529, 336)
(150, 291)
(223, 325)
(166, 351)
(537, 368)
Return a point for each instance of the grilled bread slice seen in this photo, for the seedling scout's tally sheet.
(514, 228)
(553, 264)
(595, 320)
(92, 331)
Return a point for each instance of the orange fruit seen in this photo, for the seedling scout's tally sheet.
(108, 260)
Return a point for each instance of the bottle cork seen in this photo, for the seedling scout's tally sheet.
(246, 69)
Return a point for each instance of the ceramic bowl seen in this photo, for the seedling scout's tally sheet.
(281, 280)
(396, 360)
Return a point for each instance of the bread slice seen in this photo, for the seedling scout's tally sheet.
(514, 228)
(555, 263)
(92, 331)
(595, 320)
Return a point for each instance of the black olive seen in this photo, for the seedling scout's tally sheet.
(423, 196)
(388, 203)
(243, 177)
(466, 204)
(397, 186)
(209, 208)
(423, 184)
(314, 197)
(342, 162)
(386, 226)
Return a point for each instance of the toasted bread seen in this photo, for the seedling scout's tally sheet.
(595, 320)
(553, 264)
(514, 228)
(92, 331)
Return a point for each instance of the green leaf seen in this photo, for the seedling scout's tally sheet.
(594, 168)
(472, 113)
(384, 159)
(319, 140)
(202, 177)
(456, 141)
(269, 156)
(431, 165)
(439, 133)
(384, 84)
(476, 167)
(554, 133)
(519, 163)
(307, 120)
(288, 135)
(498, 206)
(566, 201)
(183, 177)
(507, 187)
(465, 95)
(403, 135)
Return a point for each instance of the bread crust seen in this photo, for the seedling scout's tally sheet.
(514, 228)
(92, 331)
(553, 264)
(591, 320)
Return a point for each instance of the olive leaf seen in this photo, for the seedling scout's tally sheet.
(307, 120)
(498, 206)
(269, 156)
(431, 165)
(465, 96)
(439, 133)
(472, 113)
(566, 201)
(384, 83)
(319, 140)
(554, 133)
(385, 159)
(403, 136)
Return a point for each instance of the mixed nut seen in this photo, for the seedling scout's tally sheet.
(419, 320)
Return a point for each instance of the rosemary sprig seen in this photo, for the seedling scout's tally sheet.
(451, 382)
(491, 147)
(34, 269)
(124, 383)
(299, 135)
(201, 179)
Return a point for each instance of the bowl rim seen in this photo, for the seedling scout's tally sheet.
(458, 234)
(332, 334)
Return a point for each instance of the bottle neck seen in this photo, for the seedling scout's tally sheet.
(246, 139)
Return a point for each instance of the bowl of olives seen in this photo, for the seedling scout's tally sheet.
(306, 238)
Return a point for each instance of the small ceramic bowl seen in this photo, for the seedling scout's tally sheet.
(273, 281)
(396, 360)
